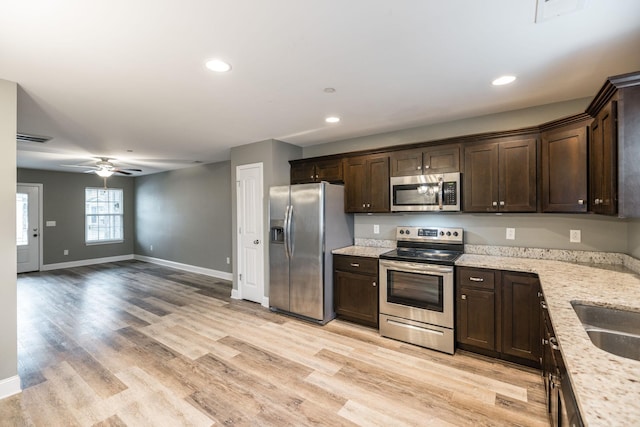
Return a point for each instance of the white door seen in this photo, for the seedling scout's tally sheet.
(28, 227)
(250, 245)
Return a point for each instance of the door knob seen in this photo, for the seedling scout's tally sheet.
(256, 242)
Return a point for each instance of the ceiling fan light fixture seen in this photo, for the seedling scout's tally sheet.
(105, 173)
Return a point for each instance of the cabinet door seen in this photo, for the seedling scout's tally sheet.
(443, 159)
(302, 173)
(521, 316)
(356, 297)
(476, 318)
(517, 171)
(406, 162)
(378, 184)
(603, 161)
(481, 178)
(564, 170)
(329, 170)
(355, 184)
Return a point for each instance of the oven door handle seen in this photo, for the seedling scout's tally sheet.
(415, 267)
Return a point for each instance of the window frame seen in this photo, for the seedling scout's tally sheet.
(88, 216)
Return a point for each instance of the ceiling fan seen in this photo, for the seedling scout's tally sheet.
(104, 168)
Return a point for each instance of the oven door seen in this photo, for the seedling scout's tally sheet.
(417, 291)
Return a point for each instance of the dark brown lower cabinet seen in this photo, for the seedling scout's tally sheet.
(498, 314)
(355, 289)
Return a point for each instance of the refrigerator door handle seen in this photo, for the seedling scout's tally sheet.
(286, 232)
(289, 235)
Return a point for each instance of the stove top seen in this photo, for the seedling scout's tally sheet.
(433, 245)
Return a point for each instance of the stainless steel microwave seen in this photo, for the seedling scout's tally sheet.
(436, 192)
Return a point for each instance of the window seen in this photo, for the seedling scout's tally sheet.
(22, 216)
(104, 215)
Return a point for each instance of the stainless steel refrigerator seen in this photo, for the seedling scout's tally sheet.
(307, 221)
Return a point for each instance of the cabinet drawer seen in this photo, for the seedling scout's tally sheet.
(477, 278)
(356, 264)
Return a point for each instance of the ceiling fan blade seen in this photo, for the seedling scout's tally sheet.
(80, 166)
(122, 172)
(130, 170)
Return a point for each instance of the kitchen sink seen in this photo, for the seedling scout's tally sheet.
(612, 330)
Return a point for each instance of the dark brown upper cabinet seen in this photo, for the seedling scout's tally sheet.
(423, 161)
(603, 161)
(614, 148)
(564, 168)
(366, 184)
(316, 170)
(500, 176)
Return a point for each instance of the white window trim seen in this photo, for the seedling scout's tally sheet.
(102, 242)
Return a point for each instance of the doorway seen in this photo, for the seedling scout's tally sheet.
(250, 245)
(28, 227)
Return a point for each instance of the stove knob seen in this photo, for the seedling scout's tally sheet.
(401, 231)
(448, 233)
(407, 232)
(455, 233)
(442, 233)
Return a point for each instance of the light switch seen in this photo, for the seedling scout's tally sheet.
(575, 236)
(51, 223)
(376, 229)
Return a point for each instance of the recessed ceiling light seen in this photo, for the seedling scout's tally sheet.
(218, 65)
(504, 80)
(332, 119)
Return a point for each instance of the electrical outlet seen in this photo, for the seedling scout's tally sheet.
(66, 251)
(376, 229)
(228, 260)
(151, 248)
(575, 236)
(511, 234)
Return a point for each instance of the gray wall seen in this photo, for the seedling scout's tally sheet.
(275, 156)
(63, 202)
(508, 120)
(634, 238)
(8, 257)
(532, 230)
(185, 215)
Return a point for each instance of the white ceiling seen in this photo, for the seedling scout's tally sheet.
(105, 76)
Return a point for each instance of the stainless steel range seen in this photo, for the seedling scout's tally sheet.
(417, 287)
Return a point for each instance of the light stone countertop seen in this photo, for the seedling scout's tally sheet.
(364, 251)
(607, 387)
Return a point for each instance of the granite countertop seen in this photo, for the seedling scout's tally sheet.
(607, 387)
(364, 251)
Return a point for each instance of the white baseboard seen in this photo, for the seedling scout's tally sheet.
(84, 262)
(10, 386)
(186, 267)
(265, 302)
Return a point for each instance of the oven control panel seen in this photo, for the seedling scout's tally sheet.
(430, 234)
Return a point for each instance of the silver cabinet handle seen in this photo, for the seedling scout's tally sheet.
(581, 202)
(543, 305)
(375, 284)
(311, 177)
(501, 203)
(476, 279)
(494, 204)
(364, 205)
(553, 342)
(427, 166)
(368, 205)
(539, 294)
(316, 176)
(355, 264)
(418, 168)
(463, 296)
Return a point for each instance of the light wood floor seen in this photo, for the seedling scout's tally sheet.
(132, 343)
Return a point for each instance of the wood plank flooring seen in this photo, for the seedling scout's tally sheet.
(136, 344)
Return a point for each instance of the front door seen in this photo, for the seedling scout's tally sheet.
(28, 227)
(250, 245)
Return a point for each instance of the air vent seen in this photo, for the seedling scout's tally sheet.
(23, 137)
(549, 9)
